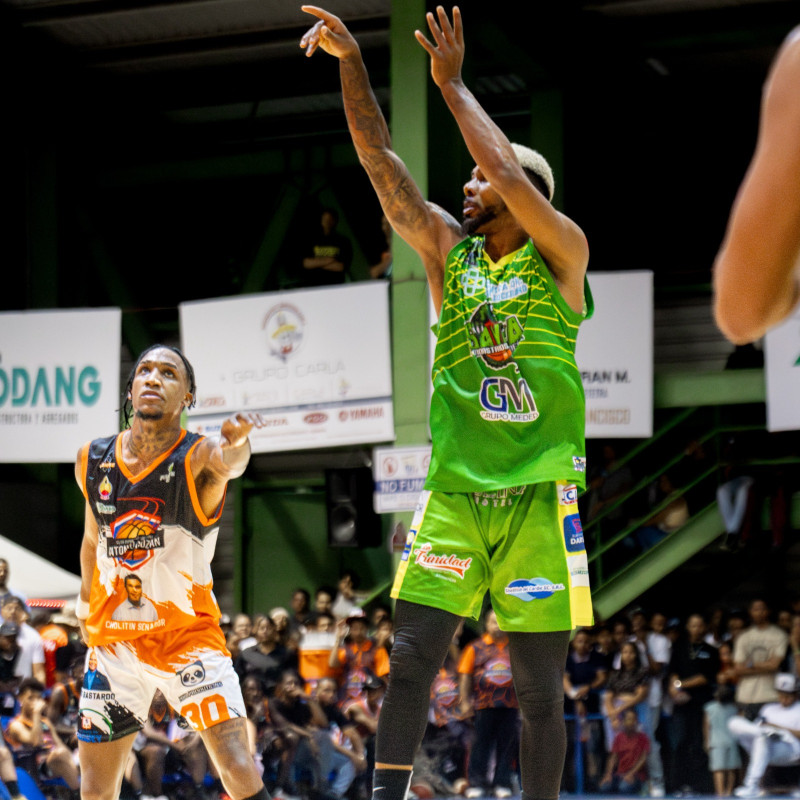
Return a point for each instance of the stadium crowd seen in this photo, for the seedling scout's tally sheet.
(654, 705)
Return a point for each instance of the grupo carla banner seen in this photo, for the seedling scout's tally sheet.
(59, 382)
(316, 363)
(615, 356)
(782, 368)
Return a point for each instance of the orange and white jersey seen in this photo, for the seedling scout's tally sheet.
(153, 566)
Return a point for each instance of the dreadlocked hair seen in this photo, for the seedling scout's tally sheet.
(127, 405)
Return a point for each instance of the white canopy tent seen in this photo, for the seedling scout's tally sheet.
(36, 577)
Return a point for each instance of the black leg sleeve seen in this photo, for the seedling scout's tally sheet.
(422, 636)
(537, 664)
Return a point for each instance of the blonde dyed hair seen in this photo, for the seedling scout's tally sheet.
(535, 162)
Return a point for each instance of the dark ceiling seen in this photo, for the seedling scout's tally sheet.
(660, 100)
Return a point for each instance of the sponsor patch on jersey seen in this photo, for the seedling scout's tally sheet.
(579, 463)
(105, 488)
(104, 508)
(568, 495)
(528, 589)
(573, 534)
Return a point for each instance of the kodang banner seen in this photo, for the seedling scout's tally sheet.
(615, 356)
(782, 368)
(59, 382)
(315, 363)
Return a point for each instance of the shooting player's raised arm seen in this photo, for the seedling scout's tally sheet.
(429, 230)
(559, 240)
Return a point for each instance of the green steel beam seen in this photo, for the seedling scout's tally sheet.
(727, 387)
(410, 329)
(657, 562)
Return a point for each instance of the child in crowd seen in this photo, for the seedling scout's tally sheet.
(724, 759)
(625, 769)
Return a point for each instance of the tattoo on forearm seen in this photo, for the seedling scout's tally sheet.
(395, 188)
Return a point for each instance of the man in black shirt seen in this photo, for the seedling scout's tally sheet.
(268, 659)
(692, 672)
(299, 718)
(328, 259)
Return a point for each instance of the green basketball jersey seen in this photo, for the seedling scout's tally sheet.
(508, 403)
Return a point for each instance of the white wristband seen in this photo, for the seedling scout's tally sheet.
(81, 608)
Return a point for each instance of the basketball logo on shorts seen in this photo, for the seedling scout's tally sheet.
(193, 674)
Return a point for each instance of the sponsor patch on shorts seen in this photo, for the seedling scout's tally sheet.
(573, 534)
(528, 589)
(578, 570)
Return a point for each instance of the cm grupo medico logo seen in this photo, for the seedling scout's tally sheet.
(284, 326)
(528, 589)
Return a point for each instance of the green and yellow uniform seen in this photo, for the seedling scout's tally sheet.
(507, 418)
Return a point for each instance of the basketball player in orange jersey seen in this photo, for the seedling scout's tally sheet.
(757, 271)
(154, 496)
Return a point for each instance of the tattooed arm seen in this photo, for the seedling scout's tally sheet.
(426, 227)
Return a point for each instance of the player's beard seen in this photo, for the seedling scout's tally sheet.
(471, 225)
(149, 416)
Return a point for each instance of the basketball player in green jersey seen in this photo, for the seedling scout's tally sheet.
(499, 510)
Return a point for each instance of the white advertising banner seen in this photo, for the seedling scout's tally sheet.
(315, 363)
(782, 367)
(59, 382)
(399, 474)
(615, 356)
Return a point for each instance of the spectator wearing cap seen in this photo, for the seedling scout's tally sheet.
(356, 654)
(31, 658)
(773, 738)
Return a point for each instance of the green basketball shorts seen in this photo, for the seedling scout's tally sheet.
(524, 544)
